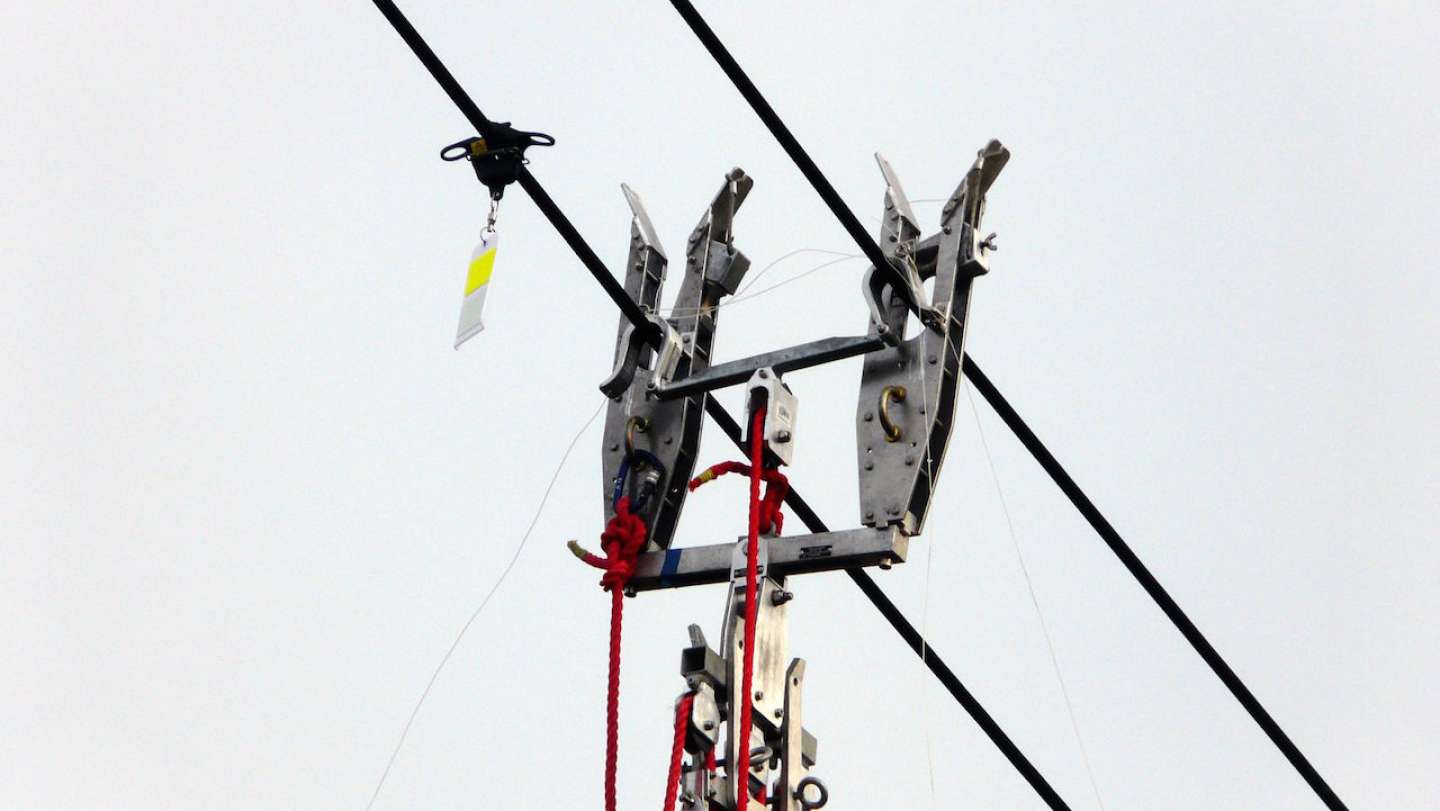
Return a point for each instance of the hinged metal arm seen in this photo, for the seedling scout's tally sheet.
(908, 390)
(639, 426)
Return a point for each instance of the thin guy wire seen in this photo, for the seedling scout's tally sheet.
(925, 593)
(474, 615)
(925, 603)
(749, 283)
(758, 293)
(740, 295)
(1030, 587)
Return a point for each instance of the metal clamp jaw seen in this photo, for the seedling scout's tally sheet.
(645, 435)
(908, 390)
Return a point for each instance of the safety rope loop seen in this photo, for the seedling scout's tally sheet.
(677, 749)
(777, 486)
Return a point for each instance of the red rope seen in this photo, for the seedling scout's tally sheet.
(765, 517)
(677, 749)
(740, 770)
(622, 540)
(776, 486)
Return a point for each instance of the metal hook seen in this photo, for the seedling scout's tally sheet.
(635, 424)
(893, 432)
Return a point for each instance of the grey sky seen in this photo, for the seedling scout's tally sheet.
(248, 492)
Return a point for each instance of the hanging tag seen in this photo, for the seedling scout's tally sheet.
(482, 262)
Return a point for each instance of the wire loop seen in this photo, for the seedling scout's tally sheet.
(804, 800)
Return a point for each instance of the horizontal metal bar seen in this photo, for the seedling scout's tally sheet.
(785, 360)
(798, 554)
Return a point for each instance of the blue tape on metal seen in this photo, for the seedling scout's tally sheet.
(670, 567)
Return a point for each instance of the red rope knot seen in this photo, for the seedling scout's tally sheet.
(772, 521)
(622, 541)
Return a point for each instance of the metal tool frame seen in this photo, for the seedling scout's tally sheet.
(908, 392)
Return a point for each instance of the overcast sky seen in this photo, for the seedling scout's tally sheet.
(249, 493)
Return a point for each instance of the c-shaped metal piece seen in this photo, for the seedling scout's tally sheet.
(632, 345)
(893, 432)
(633, 426)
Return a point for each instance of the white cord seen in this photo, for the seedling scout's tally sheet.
(476, 613)
(925, 603)
(1030, 587)
(673, 311)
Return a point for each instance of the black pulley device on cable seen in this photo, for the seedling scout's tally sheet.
(498, 156)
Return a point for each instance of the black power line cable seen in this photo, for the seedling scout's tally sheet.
(782, 134)
(527, 181)
(727, 423)
(992, 395)
(1152, 586)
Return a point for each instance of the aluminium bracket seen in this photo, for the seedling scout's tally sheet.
(908, 390)
(661, 438)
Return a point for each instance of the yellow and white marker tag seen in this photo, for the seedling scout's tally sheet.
(482, 262)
